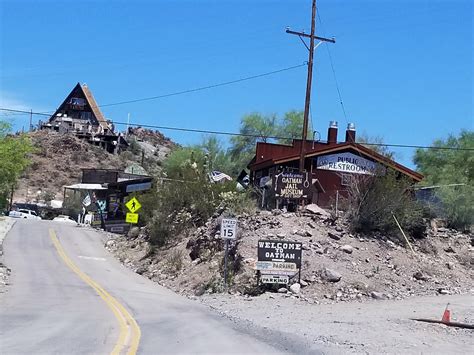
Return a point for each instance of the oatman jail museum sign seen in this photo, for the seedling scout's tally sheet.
(292, 185)
(347, 163)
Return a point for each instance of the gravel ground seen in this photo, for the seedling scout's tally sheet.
(6, 224)
(382, 327)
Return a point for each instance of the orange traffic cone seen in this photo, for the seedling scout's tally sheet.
(446, 315)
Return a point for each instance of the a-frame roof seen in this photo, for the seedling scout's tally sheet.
(87, 94)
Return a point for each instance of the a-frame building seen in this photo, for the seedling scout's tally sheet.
(79, 114)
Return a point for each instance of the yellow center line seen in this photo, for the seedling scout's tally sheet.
(130, 333)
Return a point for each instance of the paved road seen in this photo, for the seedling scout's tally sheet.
(68, 295)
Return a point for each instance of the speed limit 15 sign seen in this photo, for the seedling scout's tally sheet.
(228, 228)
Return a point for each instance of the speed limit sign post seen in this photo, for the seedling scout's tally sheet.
(228, 228)
(228, 231)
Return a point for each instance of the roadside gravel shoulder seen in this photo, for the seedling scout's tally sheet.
(382, 327)
(6, 224)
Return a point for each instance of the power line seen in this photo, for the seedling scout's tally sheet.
(333, 71)
(189, 90)
(278, 137)
(193, 130)
(205, 87)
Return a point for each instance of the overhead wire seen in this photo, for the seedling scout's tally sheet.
(204, 87)
(333, 71)
(194, 130)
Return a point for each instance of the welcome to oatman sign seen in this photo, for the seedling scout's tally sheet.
(280, 252)
(292, 185)
(347, 163)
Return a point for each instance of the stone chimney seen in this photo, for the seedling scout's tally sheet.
(351, 133)
(332, 132)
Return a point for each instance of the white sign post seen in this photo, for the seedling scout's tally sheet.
(228, 231)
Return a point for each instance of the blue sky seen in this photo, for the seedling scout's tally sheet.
(404, 68)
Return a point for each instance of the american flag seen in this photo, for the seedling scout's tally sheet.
(217, 176)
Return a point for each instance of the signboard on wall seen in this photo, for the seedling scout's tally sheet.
(292, 185)
(346, 163)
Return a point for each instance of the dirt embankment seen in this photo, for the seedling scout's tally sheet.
(337, 266)
(357, 293)
(58, 159)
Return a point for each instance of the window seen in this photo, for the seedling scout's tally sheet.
(85, 115)
(77, 101)
(346, 179)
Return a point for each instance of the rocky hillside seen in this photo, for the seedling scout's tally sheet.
(58, 159)
(337, 265)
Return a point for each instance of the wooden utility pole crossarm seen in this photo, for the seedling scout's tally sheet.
(311, 37)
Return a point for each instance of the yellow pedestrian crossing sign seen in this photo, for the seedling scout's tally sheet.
(131, 218)
(133, 205)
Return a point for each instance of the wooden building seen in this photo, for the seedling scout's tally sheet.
(79, 114)
(330, 164)
(106, 190)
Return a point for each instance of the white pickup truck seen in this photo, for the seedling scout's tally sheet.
(23, 213)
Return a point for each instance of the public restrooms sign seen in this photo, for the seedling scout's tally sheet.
(346, 163)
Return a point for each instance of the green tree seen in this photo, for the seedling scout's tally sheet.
(291, 127)
(443, 167)
(14, 159)
(216, 157)
(254, 128)
(376, 144)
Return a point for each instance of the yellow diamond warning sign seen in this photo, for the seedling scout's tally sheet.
(133, 205)
(131, 218)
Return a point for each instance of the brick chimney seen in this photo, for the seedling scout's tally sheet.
(332, 132)
(351, 133)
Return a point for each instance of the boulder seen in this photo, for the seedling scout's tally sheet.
(420, 276)
(134, 232)
(449, 249)
(295, 288)
(335, 236)
(282, 290)
(303, 233)
(315, 209)
(330, 275)
(347, 249)
(378, 295)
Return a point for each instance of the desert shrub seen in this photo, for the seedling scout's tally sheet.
(374, 200)
(47, 196)
(174, 261)
(238, 202)
(184, 198)
(458, 206)
(134, 147)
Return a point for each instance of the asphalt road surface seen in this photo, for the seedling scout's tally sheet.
(68, 296)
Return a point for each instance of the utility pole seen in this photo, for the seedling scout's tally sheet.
(311, 37)
(128, 125)
(31, 120)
